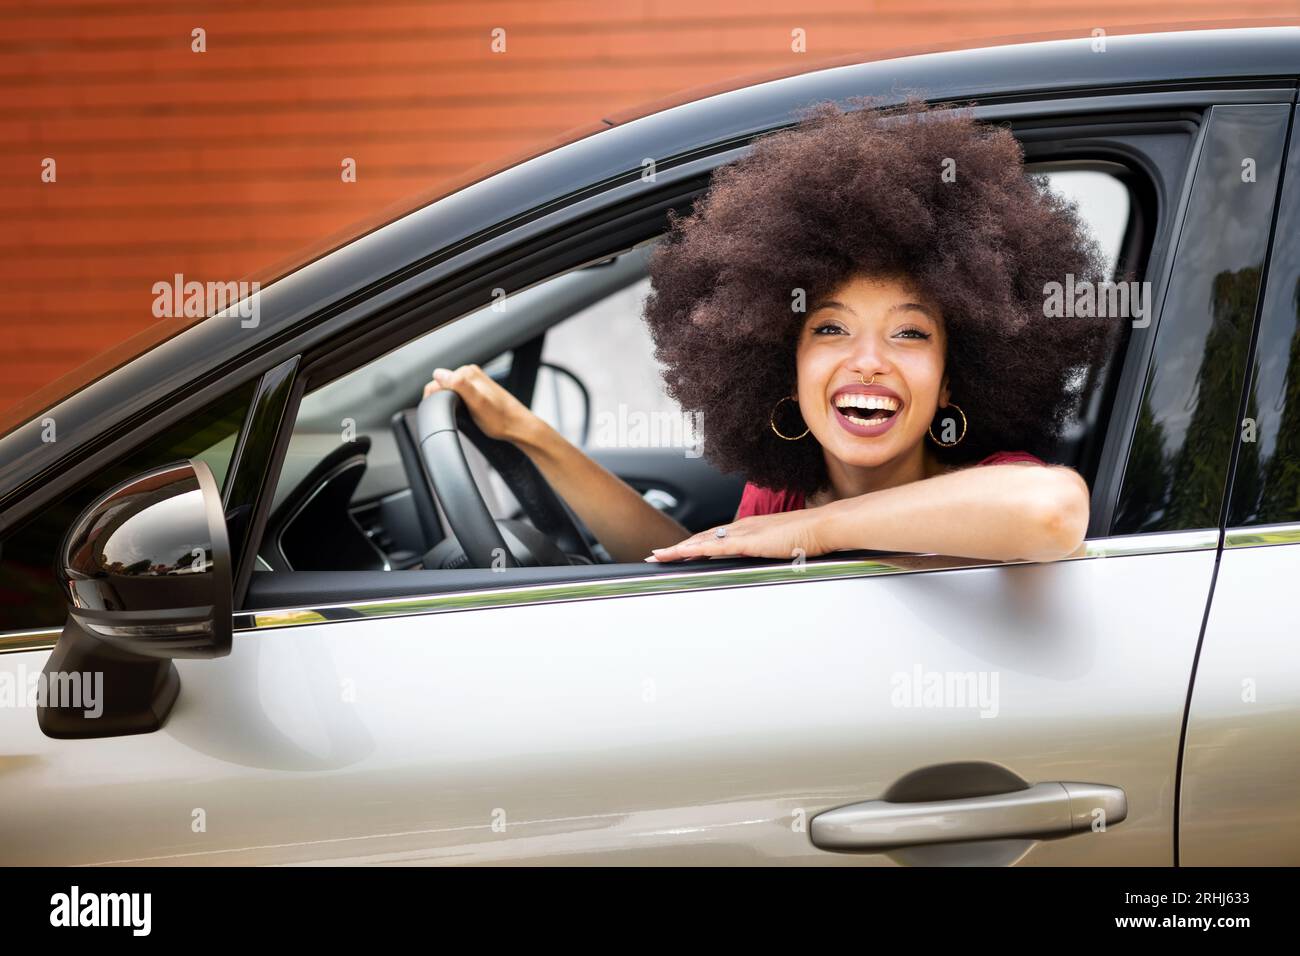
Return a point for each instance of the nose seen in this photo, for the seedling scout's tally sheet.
(868, 358)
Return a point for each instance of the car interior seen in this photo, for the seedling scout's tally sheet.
(369, 504)
(375, 482)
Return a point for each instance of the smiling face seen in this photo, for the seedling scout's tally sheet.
(874, 326)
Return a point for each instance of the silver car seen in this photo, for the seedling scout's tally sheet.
(262, 604)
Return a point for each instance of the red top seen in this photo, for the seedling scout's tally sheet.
(763, 501)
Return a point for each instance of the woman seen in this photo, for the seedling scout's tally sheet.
(855, 311)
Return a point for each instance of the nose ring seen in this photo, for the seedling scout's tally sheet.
(873, 379)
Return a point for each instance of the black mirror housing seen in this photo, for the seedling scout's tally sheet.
(146, 567)
(147, 573)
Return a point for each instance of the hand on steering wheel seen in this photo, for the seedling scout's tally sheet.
(497, 412)
(441, 419)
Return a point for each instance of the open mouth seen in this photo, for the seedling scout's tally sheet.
(867, 410)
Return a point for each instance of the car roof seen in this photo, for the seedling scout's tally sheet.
(747, 105)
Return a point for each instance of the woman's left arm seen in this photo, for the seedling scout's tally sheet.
(1011, 512)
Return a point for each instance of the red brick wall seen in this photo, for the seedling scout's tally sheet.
(217, 164)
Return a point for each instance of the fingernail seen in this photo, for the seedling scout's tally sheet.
(652, 558)
(439, 373)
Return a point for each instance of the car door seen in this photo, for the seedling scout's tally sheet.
(715, 716)
(1241, 768)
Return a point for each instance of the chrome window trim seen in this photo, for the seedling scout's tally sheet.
(1168, 542)
(1262, 536)
(12, 642)
(1156, 542)
(695, 580)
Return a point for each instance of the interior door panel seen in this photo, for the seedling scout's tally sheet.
(704, 496)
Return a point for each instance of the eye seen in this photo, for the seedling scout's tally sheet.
(826, 326)
(914, 333)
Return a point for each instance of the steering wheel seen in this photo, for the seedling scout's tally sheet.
(441, 419)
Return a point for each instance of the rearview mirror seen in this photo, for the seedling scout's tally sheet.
(146, 571)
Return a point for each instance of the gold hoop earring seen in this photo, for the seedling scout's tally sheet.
(771, 420)
(950, 444)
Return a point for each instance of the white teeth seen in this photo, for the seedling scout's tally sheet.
(857, 400)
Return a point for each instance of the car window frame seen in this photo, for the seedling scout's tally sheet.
(1204, 196)
(1277, 321)
(1130, 112)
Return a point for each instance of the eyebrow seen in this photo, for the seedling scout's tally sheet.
(900, 307)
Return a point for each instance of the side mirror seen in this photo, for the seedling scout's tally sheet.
(146, 570)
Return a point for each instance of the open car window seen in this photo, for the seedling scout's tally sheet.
(597, 382)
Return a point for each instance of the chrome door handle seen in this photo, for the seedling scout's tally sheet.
(1045, 809)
